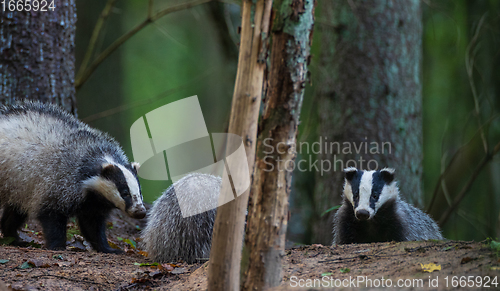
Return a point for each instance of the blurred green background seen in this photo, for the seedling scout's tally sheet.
(194, 52)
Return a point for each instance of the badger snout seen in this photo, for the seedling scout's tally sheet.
(137, 212)
(362, 214)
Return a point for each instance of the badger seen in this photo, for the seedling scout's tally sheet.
(53, 167)
(168, 236)
(373, 211)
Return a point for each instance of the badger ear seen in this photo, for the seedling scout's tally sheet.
(135, 166)
(349, 173)
(387, 175)
(107, 169)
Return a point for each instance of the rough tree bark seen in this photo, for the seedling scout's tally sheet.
(268, 205)
(369, 90)
(37, 55)
(224, 266)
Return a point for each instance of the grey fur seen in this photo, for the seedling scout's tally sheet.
(47, 160)
(393, 220)
(168, 236)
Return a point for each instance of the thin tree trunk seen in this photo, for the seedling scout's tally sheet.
(268, 206)
(369, 92)
(224, 266)
(37, 55)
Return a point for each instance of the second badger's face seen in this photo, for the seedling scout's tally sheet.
(119, 185)
(369, 190)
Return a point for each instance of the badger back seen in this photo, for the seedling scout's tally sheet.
(168, 236)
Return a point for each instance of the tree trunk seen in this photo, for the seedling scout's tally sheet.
(369, 95)
(37, 58)
(224, 266)
(268, 206)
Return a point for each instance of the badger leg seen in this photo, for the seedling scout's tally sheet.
(12, 220)
(54, 229)
(93, 228)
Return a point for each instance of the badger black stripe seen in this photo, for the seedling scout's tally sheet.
(116, 176)
(377, 185)
(356, 180)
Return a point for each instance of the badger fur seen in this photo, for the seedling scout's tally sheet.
(372, 211)
(168, 236)
(52, 167)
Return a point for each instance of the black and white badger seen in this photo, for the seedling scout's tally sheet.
(372, 211)
(168, 236)
(52, 167)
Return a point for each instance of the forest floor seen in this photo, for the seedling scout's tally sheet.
(310, 267)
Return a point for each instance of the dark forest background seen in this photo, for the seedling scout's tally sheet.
(194, 52)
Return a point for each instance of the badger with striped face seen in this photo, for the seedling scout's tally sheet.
(373, 211)
(52, 167)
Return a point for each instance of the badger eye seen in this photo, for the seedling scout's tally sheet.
(126, 193)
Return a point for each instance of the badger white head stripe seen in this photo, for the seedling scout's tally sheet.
(107, 189)
(365, 190)
(388, 192)
(348, 191)
(132, 183)
(135, 192)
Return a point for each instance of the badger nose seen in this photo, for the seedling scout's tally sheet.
(362, 214)
(139, 213)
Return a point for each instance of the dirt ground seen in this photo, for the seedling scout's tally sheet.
(373, 265)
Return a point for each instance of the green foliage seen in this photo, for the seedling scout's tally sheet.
(330, 209)
(7, 240)
(145, 264)
(72, 230)
(495, 246)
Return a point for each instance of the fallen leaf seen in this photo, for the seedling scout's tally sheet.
(3, 261)
(431, 267)
(132, 243)
(166, 267)
(38, 263)
(326, 274)
(26, 265)
(113, 245)
(345, 270)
